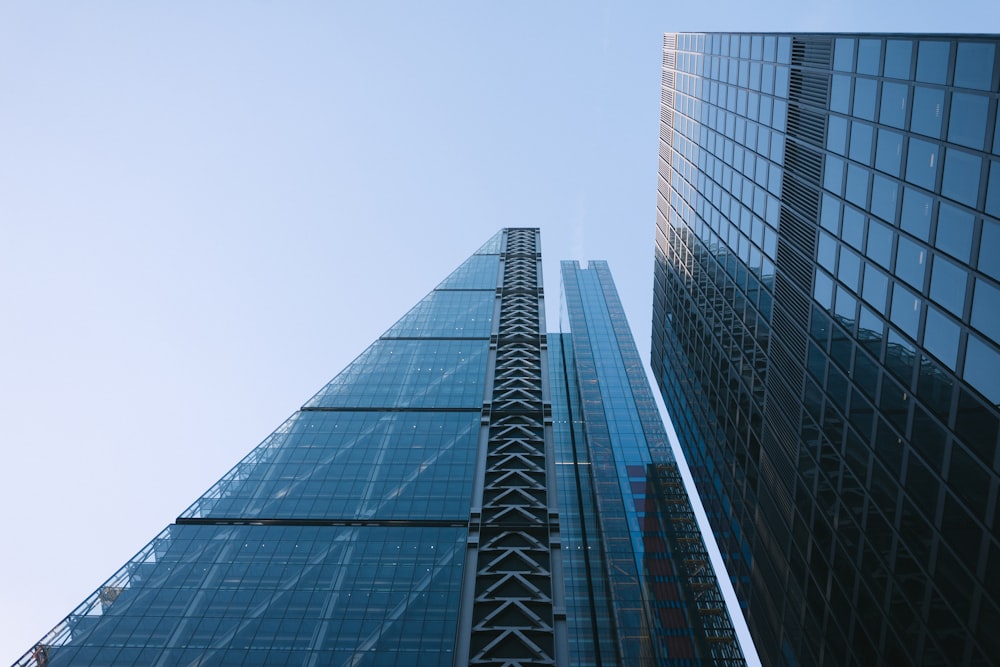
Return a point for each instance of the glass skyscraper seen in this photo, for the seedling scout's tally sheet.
(468, 491)
(827, 333)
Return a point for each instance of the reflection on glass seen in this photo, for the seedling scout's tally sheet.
(897, 58)
(876, 286)
(932, 62)
(911, 262)
(941, 336)
(916, 216)
(954, 231)
(986, 309)
(967, 122)
(893, 109)
(869, 54)
(974, 65)
(888, 152)
(905, 310)
(865, 97)
(961, 176)
(982, 368)
(928, 108)
(993, 190)
(879, 243)
(921, 163)
(948, 285)
(989, 249)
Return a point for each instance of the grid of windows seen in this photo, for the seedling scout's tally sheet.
(859, 485)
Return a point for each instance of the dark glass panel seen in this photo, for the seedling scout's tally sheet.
(905, 310)
(895, 403)
(961, 176)
(977, 425)
(928, 109)
(932, 62)
(869, 56)
(974, 65)
(921, 163)
(941, 336)
(897, 58)
(954, 231)
(928, 437)
(893, 109)
(861, 142)
(865, 97)
(885, 193)
(916, 215)
(986, 309)
(911, 262)
(948, 285)
(843, 54)
(982, 368)
(967, 121)
(888, 152)
(935, 388)
(970, 480)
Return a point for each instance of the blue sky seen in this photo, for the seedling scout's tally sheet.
(208, 209)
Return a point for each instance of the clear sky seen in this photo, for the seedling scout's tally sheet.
(208, 209)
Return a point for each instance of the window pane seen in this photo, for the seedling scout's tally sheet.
(967, 124)
(928, 108)
(827, 252)
(916, 217)
(982, 368)
(889, 151)
(941, 337)
(843, 55)
(986, 309)
(932, 62)
(829, 217)
(948, 285)
(840, 93)
(884, 194)
(823, 290)
(954, 231)
(879, 243)
(853, 230)
(974, 65)
(836, 138)
(993, 190)
(989, 249)
(921, 163)
(864, 98)
(893, 110)
(911, 261)
(857, 185)
(961, 176)
(833, 177)
(905, 310)
(897, 58)
(850, 267)
(869, 54)
(861, 142)
(876, 287)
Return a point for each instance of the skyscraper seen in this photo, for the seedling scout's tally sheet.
(458, 495)
(826, 327)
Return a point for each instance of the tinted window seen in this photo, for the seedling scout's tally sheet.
(905, 310)
(857, 185)
(921, 163)
(928, 108)
(897, 58)
(948, 285)
(916, 217)
(876, 287)
(840, 93)
(889, 151)
(974, 65)
(850, 266)
(833, 177)
(884, 194)
(864, 98)
(954, 231)
(893, 109)
(836, 138)
(993, 190)
(961, 176)
(911, 261)
(989, 249)
(986, 309)
(843, 55)
(861, 142)
(869, 55)
(967, 122)
(879, 243)
(941, 337)
(932, 62)
(981, 368)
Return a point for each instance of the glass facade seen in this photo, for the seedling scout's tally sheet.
(824, 333)
(468, 491)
